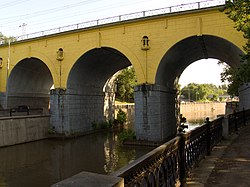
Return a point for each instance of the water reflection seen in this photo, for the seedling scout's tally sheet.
(46, 162)
(196, 121)
(196, 113)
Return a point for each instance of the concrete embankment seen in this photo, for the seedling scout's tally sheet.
(191, 110)
(21, 129)
(200, 110)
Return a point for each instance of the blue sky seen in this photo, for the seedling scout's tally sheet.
(38, 15)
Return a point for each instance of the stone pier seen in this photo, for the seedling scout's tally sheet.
(155, 118)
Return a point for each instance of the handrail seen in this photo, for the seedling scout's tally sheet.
(121, 18)
(155, 163)
(237, 120)
(171, 161)
(20, 112)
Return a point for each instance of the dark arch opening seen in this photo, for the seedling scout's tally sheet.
(85, 85)
(191, 49)
(29, 84)
(93, 68)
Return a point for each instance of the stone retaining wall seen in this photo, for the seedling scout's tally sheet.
(199, 110)
(16, 130)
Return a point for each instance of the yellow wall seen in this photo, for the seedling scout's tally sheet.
(163, 31)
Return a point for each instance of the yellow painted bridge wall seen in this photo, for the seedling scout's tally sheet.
(163, 31)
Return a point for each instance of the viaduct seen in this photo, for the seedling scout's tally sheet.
(68, 71)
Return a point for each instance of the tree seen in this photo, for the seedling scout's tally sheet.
(239, 12)
(201, 92)
(126, 82)
(5, 39)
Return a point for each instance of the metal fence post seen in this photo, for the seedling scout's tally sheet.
(235, 122)
(208, 126)
(244, 117)
(182, 161)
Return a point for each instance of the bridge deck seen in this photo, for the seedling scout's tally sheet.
(228, 165)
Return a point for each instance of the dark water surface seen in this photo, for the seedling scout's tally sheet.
(43, 163)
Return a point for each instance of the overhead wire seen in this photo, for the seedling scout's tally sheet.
(12, 3)
(65, 16)
(86, 11)
(48, 11)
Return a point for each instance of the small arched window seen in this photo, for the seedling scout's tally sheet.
(145, 43)
(60, 54)
(1, 62)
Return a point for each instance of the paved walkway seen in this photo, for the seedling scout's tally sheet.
(228, 165)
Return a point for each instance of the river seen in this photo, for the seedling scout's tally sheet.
(43, 163)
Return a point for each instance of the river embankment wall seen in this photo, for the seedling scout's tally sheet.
(201, 110)
(17, 130)
(190, 110)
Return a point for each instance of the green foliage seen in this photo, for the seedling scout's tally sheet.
(235, 77)
(52, 130)
(102, 125)
(202, 92)
(127, 134)
(239, 12)
(121, 117)
(5, 39)
(126, 82)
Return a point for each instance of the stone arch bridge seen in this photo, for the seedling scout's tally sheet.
(80, 62)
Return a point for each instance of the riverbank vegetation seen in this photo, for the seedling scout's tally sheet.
(126, 134)
(119, 121)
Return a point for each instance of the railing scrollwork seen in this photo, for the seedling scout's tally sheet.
(169, 164)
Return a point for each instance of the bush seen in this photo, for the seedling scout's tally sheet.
(94, 125)
(52, 130)
(126, 135)
(102, 125)
(121, 117)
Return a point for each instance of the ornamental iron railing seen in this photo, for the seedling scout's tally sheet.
(237, 120)
(168, 164)
(159, 167)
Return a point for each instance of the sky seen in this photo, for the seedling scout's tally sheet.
(205, 71)
(20, 17)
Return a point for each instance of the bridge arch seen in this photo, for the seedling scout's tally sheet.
(191, 49)
(132, 57)
(29, 84)
(161, 96)
(84, 97)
